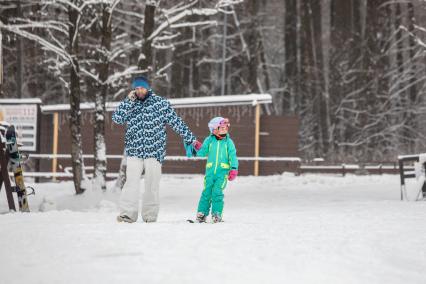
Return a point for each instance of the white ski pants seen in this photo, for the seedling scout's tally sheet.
(129, 199)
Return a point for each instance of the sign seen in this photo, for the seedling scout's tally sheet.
(24, 118)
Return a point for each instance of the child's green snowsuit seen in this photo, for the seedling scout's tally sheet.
(221, 158)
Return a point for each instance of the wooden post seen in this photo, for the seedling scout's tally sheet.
(423, 191)
(402, 177)
(257, 140)
(5, 177)
(55, 142)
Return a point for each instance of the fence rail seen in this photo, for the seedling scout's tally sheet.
(299, 166)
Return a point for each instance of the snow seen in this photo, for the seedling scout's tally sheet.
(410, 157)
(21, 101)
(285, 228)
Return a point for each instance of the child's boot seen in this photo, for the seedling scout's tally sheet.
(216, 218)
(201, 217)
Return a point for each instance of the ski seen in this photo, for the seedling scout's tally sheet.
(192, 221)
(15, 162)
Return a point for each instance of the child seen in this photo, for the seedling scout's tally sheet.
(222, 165)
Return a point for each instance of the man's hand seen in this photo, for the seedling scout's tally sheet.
(132, 96)
(232, 175)
(197, 145)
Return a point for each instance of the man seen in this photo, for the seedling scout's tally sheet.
(146, 116)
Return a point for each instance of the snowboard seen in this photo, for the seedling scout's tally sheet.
(16, 165)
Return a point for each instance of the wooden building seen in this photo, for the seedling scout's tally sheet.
(255, 135)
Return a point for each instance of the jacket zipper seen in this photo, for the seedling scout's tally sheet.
(217, 156)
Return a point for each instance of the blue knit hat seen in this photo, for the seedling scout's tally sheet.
(140, 82)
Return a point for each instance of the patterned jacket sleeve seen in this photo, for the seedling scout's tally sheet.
(177, 124)
(121, 114)
(232, 153)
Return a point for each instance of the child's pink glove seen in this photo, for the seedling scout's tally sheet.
(197, 145)
(232, 175)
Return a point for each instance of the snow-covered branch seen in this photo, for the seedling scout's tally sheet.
(226, 3)
(46, 45)
(50, 25)
(126, 73)
(181, 15)
(164, 68)
(193, 24)
(178, 8)
(416, 38)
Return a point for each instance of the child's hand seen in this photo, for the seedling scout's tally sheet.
(197, 145)
(232, 175)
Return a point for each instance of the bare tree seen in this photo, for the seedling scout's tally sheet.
(75, 113)
(100, 97)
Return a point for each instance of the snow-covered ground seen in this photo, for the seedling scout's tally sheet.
(278, 229)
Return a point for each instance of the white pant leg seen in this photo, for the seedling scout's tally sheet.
(151, 195)
(129, 199)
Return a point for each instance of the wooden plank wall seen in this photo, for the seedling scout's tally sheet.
(280, 138)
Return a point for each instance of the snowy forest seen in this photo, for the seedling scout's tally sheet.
(353, 71)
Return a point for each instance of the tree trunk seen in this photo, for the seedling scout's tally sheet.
(412, 45)
(323, 39)
(100, 109)
(74, 118)
(264, 65)
(290, 62)
(400, 45)
(1, 64)
(412, 118)
(311, 82)
(177, 83)
(19, 58)
(253, 45)
(195, 86)
(145, 59)
(376, 66)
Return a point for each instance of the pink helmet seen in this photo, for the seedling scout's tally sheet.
(216, 122)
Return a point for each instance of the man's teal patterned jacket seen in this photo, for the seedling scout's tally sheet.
(146, 126)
